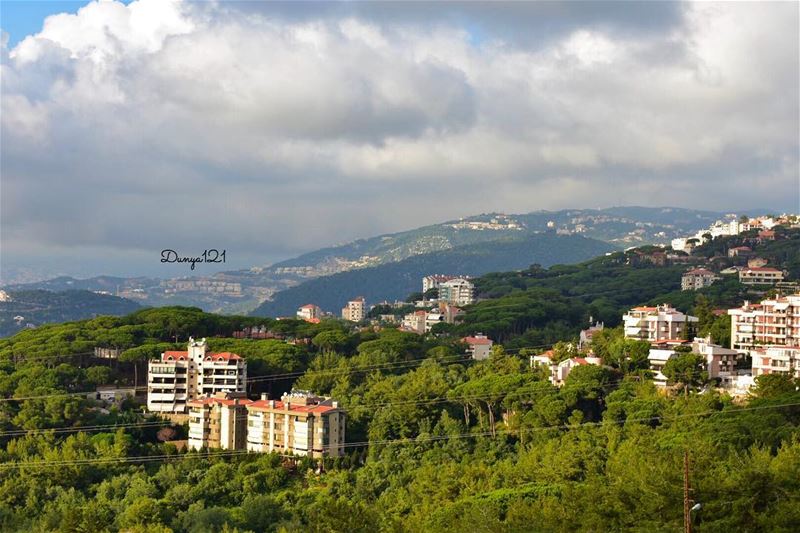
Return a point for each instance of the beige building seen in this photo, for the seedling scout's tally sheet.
(178, 377)
(654, 324)
(218, 422)
(479, 347)
(309, 313)
(355, 310)
(772, 322)
(300, 423)
(760, 276)
(697, 278)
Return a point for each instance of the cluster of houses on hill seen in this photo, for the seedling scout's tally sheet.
(766, 334)
(734, 226)
(210, 389)
(443, 297)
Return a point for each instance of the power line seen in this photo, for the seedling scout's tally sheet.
(408, 440)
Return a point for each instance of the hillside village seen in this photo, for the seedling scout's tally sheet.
(511, 363)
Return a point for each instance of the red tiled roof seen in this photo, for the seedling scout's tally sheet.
(700, 271)
(314, 408)
(308, 306)
(477, 341)
(226, 356)
(174, 355)
(644, 308)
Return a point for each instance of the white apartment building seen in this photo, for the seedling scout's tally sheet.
(458, 291)
(433, 281)
(300, 423)
(219, 421)
(309, 313)
(776, 360)
(179, 377)
(479, 346)
(772, 322)
(760, 276)
(355, 310)
(697, 278)
(661, 323)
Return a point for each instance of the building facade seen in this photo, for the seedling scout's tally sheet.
(772, 322)
(479, 347)
(309, 313)
(760, 276)
(661, 323)
(433, 281)
(697, 278)
(355, 310)
(300, 423)
(219, 421)
(776, 360)
(178, 377)
(459, 291)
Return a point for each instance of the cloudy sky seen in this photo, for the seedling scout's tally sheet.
(269, 129)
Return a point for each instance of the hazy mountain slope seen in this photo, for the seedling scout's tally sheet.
(396, 280)
(239, 291)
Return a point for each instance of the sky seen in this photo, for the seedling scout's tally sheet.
(270, 129)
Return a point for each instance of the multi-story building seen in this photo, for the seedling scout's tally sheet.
(433, 281)
(355, 310)
(772, 322)
(776, 360)
(415, 322)
(458, 291)
(300, 423)
(697, 278)
(479, 346)
(219, 421)
(760, 276)
(179, 376)
(309, 313)
(720, 362)
(661, 323)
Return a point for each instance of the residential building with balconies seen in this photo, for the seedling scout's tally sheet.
(355, 310)
(760, 276)
(301, 423)
(219, 421)
(660, 323)
(697, 278)
(178, 377)
(772, 322)
(776, 360)
(458, 291)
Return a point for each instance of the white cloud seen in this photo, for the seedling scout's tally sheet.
(154, 113)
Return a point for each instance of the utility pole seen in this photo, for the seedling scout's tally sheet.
(687, 519)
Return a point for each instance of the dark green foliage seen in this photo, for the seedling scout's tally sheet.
(42, 307)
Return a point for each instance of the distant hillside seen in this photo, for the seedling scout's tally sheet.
(39, 307)
(396, 280)
(240, 291)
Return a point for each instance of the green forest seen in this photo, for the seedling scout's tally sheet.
(435, 440)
